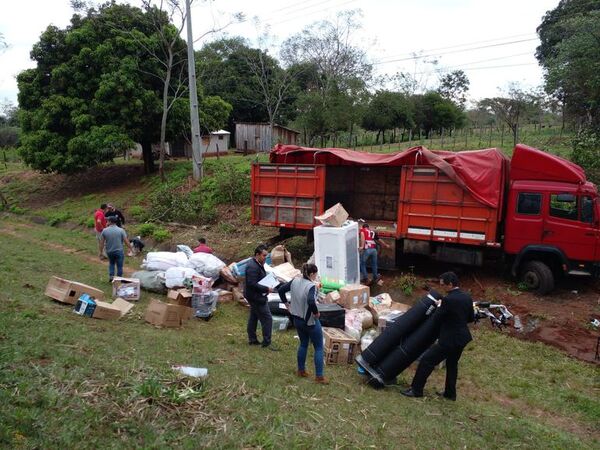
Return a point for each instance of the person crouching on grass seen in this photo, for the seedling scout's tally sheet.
(304, 311)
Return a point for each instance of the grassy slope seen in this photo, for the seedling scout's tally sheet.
(66, 380)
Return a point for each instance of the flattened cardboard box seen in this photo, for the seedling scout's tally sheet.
(224, 296)
(181, 297)
(354, 296)
(334, 216)
(167, 315)
(119, 284)
(112, 311)
(67, 291)
(378, 310)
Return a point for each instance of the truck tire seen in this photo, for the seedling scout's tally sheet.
(538, 277)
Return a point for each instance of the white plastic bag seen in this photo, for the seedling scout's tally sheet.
(164, 260)
(205, 264)
(353, 323)
(367, 339)
(185, 249)
(176, 276)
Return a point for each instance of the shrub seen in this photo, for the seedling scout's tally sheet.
(138, 212)
(55, 218)
(407, 283)
(161, 235)
(17, 210)
(146, 229)
(170, 203)
(586, 147)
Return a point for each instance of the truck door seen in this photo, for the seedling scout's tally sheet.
(286, 195)
(524, 222)
(570, 225)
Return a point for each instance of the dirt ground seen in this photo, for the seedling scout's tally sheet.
(561, 319)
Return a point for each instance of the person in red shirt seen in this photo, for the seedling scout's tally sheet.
(99, 225)
(203, 248)
(368, 252)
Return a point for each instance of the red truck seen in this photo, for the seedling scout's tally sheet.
(535, 211)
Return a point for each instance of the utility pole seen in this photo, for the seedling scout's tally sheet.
(197, 156)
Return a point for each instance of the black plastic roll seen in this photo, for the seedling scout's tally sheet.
(402, 326)
(411, 347)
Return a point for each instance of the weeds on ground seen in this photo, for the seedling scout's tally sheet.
(57, 217)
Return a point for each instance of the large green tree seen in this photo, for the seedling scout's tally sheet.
(570, 54)
(388, 110)
(435, 113)
(95, 90)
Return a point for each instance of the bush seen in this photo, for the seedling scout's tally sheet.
(17, 210)
(407, 283)
(161, 234)
(55, 218)
(586, 148)
(138, 212)
(170, 203)
(146, 229)
(229, 183)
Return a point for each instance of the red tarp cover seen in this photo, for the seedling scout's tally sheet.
(529, 163)
(481, 172)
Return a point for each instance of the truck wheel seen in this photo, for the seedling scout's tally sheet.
(538, 277)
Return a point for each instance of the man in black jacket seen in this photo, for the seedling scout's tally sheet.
(453, 314)
(256, 295)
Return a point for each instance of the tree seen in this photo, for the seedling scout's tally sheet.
(432, 112)
(511, 109)
(454, 86)
(387, 110)
(569, 52)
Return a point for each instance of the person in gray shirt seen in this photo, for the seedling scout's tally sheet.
(113, 238)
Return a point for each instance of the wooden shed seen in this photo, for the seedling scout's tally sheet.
(256, 137)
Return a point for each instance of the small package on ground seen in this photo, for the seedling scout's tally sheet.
(205, 304)
(126, 288)
(340, 348)
(354, 296)
(331, 315)
(332, 297)
(166, 315)
(279, 323)
(276, 306)
(153, 281)
(224, 296)
(112, 311)
(280, 255)
(67, 291)
(285, 272)
(378, 310)
(181, 297)
(85, 306)
(201, 285)
(334, 216)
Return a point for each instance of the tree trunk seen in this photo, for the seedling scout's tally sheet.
(163, 121)
(148, 159)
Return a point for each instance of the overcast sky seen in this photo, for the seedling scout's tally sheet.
(492, 41)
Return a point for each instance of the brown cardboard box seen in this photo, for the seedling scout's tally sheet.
(280, 255)
(167, 315)
(340, 348)
(385, 316)
(332, 297)
(377, 310)
(285, 272)
(111, 311)
(354, 296)
(67, 291)
(224, 296)
(334, 216)
(182, 297)
(120, 282)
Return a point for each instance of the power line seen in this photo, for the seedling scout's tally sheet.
(315, 12)
(429, 72)
(298, 8)
(455, 51)
(494, 59)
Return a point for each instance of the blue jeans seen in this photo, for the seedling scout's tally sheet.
(115, 259)
(366, 255)
(314, 334)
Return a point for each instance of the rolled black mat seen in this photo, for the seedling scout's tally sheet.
(411, 347)
(402, 326)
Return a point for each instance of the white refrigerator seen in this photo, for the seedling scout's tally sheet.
(336, 252)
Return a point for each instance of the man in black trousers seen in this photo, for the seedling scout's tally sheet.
(256, 295)
(453, 314)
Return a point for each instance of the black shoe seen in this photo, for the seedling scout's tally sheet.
(410, 393)
(443, 394)
(254, 343)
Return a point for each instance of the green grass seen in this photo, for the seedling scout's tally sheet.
(68, 381)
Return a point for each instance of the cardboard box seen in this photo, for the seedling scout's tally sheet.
(167, 315)
(181, 297)
(67, 291)
(378, 310)
(354, 296)
(280, 255)
(340, 348)
(224, 296)
(386, 318)
(112, 311)
(334, 216)
(285, 272)
(126, 288)
(332, 297)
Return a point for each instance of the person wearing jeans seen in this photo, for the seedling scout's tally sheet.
(304, 311)
(113, 238)
(368, 252)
